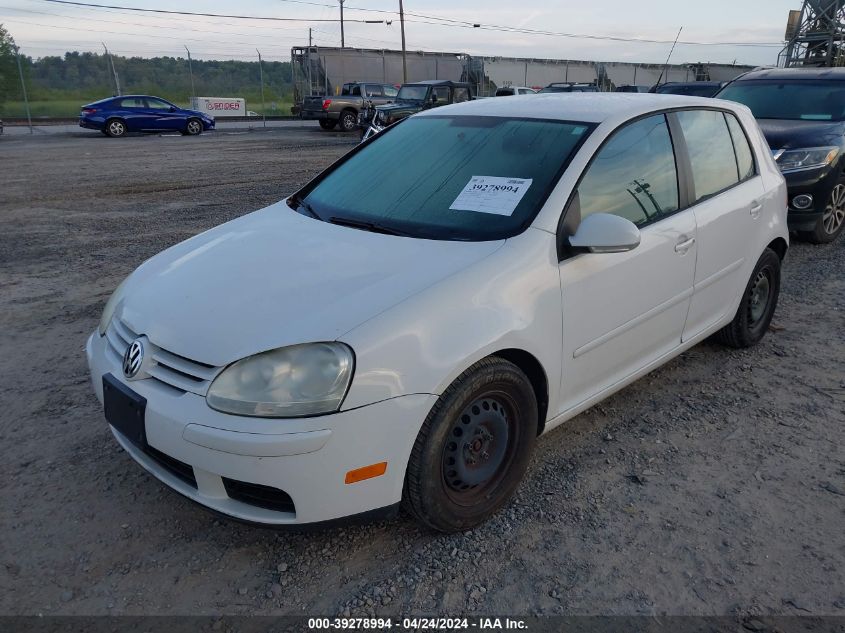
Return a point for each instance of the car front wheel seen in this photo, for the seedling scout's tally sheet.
(115, 128)
(193, 127)
(473, 447)
(830, 224)
(757, 306)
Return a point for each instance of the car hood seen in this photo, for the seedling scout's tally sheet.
(789, 134)
(276, 277)
(402, 106)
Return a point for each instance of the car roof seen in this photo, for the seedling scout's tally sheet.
(794, 73)
(589, 107)
(690, 83)
(436, 82)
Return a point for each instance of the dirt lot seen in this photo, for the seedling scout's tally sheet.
(716, 485)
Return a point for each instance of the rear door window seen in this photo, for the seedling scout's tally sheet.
(633, 175)
(133, 102)
(711, 151)
(374, 90)
(442, 94)
(461, 94)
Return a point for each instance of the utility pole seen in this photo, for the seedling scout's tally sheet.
(261, 75)
(404, 58)
(114, 72)
(342, 41)
(191, 72)
(23, 88)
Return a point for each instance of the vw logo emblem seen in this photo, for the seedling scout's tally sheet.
(132, 358)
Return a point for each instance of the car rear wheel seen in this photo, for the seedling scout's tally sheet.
(473, 448)
(757, 306)
(830, 224)
(328, 124)
(115, 128)
(348, 120)
(193, 127)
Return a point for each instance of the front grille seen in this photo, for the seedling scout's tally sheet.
(260, 496)
(176, 371)
(178, 469)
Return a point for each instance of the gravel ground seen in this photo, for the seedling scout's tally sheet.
(715, 485)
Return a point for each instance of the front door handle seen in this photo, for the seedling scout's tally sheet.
(684, 245)
(756, 207)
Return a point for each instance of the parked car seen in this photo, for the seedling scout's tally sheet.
(406, 337)
(689, 89)
(509, 91)
(802, 113)
(569, 87)
(117, 116)
(412, 98)
(631, 88)
(344, 108)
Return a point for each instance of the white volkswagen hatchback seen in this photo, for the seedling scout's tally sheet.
(402, 328)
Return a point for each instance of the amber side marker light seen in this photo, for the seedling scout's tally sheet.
(367, 472)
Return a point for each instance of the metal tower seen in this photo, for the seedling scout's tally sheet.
(815, 35)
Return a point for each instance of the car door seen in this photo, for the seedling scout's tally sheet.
(133, 110)
(727, 192)
(624, 311)
(164, 116)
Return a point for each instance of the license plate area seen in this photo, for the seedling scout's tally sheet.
(124, 410)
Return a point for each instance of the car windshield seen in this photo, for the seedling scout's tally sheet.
(790, 100)
(449, 177)
(412, 93)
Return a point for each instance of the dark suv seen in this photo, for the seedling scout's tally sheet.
(801, 112)
(567, 86)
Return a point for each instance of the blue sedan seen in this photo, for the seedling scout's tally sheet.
(117, 116)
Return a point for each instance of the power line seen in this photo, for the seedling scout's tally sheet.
(208, 15)
(426, 19)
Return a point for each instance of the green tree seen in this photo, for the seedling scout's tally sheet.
(8, 69)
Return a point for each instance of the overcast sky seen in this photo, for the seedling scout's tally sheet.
(44, 28)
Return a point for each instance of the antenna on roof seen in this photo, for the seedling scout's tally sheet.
(671, 50)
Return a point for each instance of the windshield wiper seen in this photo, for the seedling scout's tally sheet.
(309, 210)
(367, 226)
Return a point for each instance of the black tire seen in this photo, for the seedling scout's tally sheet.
(753, 317)
(829, 226)
(491, 400)
(193, 127)
(348, 120)
(328, 124)
(115, 128)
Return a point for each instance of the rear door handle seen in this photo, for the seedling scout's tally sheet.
(756, 207)
(684, 245)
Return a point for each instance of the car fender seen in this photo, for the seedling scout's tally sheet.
(509, 300)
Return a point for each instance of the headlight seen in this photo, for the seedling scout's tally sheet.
(111, 304)
(287, 382)
(807, 158)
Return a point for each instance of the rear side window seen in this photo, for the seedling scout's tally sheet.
(374, 90)
(442, 93)
(711, 151)
(633, 175)
(744, 157)
(461, 94)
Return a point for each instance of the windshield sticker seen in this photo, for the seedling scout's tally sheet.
(491, 194)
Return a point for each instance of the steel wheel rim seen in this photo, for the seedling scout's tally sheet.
(759, 297)
(834, 212)
(480, 446)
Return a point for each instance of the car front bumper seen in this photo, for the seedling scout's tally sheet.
(200, 452)
(818, 183)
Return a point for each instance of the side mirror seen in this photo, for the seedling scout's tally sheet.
(606, 233)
